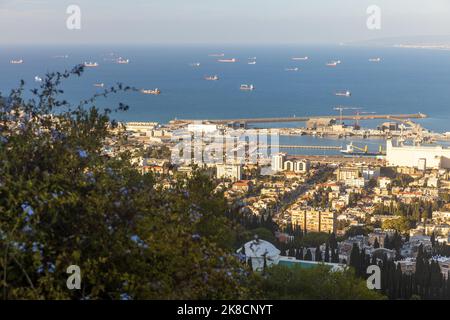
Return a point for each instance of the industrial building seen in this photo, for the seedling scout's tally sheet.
(421, 157)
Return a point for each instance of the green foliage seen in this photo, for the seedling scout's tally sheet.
(314, 239)
(295, 283)
(400, 224)
(261, 232)
(356, 231)
(160, 152)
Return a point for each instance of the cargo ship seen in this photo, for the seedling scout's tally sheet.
(212, 78)
(123, 61)
(291, 69)
(153, 92)
(247, 87)
(217, 55)
(99, 85)
(90, 64)
(195, 64)
(333, 63)
(300, 58)
(375, 59)
(343, 93)
(252, 62)
(20, 61)
(227, 60)
(352, 150)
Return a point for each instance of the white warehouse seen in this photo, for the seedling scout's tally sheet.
(429, 157)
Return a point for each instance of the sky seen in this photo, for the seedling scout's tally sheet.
(217, 21)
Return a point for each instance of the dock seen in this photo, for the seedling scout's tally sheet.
(242, 122)
(302, 147)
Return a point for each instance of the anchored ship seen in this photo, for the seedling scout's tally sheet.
(375, 59)
(99, 85)
(291, 69)
(343, 94)
(333, 63)
(123, 61)
(227, 60)
(352, 150)
(300, 58)
(16, 61)
(252, 62)
(154, 91)
(90, 64)
(195, 64)
(37, 79)
(247, 87)
(217, 55)
(212, 78)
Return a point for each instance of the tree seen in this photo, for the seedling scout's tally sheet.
(299, 254)
(376, 245)
(64, 201)
(356, 231)
(355, 259)
(333, 241)
(317, 254)
(327, 253)
(308, 255)
(335, 256)
(286, 283)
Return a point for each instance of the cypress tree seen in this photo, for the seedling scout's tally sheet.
(297, 254)
(376, 244)
(420, 268)
(291, 252)
(318, 254)
(308, 255)
(333, 241)
(387, 243)
(355, 260)
(335, 256)
(327, 253)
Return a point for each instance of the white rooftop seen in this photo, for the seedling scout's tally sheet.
(259, 248)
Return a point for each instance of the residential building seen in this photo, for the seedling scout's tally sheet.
(229, 171)
(278, 162)
(313, 220)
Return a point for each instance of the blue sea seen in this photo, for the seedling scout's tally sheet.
(405, 81)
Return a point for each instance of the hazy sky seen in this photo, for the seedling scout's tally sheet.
(218, 21)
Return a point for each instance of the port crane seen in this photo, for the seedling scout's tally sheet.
(358, 113)
(341, 110)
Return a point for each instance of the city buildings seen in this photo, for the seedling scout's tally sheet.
(280, 163)
(312, 220)
(356, 176)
